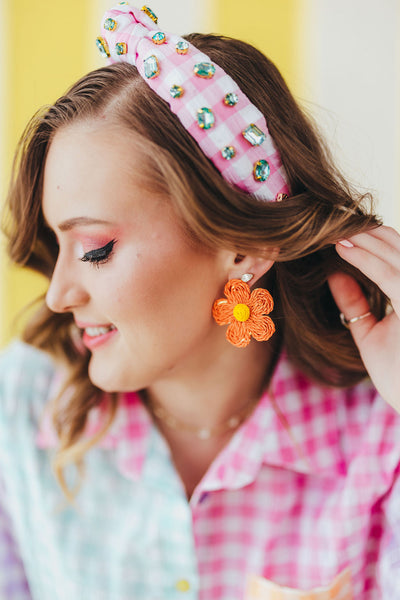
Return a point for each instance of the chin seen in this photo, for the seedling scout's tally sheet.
(110, 380)
(103, 378)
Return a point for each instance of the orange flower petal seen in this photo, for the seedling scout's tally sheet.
(262, 328)
(237, 291)
(261, 302)
(222, 312)
(238, 334)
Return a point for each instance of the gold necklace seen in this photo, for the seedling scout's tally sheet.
(203, 433)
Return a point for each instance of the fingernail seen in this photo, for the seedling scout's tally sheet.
(346, 243)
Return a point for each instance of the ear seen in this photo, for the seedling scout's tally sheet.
(254, 265)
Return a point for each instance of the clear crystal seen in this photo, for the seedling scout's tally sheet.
(110, 24)
(205, 118)
(261, 170)
(205, 70)
(159, 37)
(151, 67)
(231, 99)
(182, 47)
(103, 47)
(176, 91)
(150, 13)
(228, 152)
(121, 48)
(254, 135)
(246, 277)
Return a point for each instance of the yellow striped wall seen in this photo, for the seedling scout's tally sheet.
(43, 55)
(45, 45)
(49, 44)
(269, 25)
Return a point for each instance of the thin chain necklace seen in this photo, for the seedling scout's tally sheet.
(202, 433)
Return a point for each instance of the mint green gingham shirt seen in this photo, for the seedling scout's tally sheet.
(305, 496)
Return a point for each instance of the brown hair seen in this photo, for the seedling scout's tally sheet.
(322, 209)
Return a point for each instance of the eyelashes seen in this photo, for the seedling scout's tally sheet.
(101, 255)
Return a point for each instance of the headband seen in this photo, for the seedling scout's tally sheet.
(229, 129)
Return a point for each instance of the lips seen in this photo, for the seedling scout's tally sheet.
(95, 335)
(99, 330)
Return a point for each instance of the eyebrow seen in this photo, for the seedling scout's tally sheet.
(79, 221)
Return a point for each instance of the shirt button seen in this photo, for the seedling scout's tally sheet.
(182, 585)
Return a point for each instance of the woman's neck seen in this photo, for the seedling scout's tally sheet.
(215, 388)
(207, 397)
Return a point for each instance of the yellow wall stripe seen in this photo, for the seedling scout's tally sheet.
(269, 25)
(45, 42)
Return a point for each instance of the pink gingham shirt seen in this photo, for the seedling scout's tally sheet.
(303, 503)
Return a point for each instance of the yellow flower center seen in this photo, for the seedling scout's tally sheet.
(241, 312)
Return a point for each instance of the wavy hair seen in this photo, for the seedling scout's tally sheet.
(322, 209)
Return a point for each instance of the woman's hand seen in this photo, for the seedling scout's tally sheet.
(377, 254)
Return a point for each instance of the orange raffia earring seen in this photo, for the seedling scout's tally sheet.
(245, 312)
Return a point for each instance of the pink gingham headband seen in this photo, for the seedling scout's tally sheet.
(229, 129)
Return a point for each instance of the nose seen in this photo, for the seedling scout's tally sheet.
(65, 291)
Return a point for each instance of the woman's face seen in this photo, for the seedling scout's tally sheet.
(138, 288)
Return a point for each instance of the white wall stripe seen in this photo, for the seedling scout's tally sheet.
(350, 60)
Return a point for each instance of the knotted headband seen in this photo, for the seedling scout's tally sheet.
(229, 129)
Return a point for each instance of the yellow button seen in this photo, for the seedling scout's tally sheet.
(182, 585)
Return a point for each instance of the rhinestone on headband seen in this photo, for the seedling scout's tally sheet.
(176, 91)
(281, 197)
(231, 99)
(182, 47)
(110, 24)
(151, 67)
(261, 170)
(121, 48)
(254, 135)
(228, 152)
(205, 70)
(205, 118)
(206, 100)
(159, 38)
(103, 47)
(150, 14)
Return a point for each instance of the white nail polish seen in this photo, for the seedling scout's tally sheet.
(346, 243)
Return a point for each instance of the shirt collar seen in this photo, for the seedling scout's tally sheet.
(295, 426)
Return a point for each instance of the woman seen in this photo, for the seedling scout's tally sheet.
(210, 465)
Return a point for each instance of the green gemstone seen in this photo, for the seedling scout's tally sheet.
(176, 91)
(103, 47)
(110, 24)
(261, 170)
(228, 152)
(151, 68)
(205, 70)
(254, 135)
(231, 99)
(205, 118)
(121, 48)
(150, 14)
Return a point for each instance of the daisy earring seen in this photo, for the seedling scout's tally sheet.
(245, 312)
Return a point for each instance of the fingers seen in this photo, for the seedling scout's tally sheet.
(377, 254)
(389, 234)
(352, 303)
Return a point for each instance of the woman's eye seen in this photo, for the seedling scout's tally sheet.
(99, 255)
